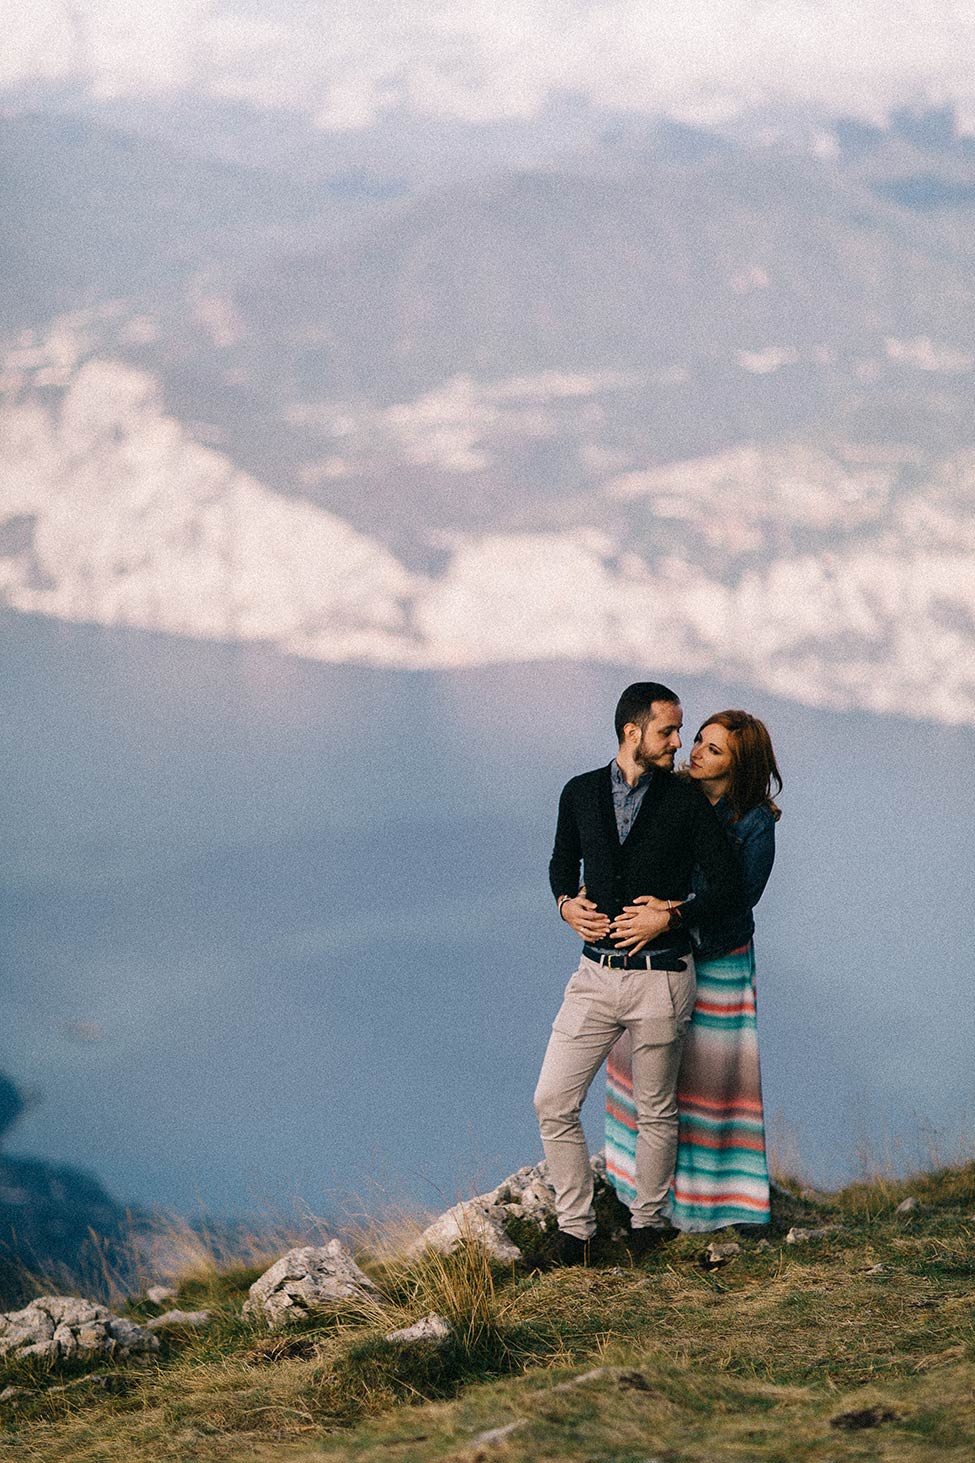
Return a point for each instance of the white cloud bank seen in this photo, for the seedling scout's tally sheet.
(702, 60)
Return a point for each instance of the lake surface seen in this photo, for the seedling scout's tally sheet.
(276, 931)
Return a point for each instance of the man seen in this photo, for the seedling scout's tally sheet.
(637, 831)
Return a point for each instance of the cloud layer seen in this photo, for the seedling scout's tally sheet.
(703, 61)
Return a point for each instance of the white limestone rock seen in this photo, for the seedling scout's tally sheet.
(65, 1340)
(799, 1236)
(42, 1350)
(432, 1330)
(470, 1222)
(306, 1279)
(526, 1194)
(57, 1326)
(720, 1254)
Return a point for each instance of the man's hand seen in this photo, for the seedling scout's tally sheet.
(584, 917)
(641, 922)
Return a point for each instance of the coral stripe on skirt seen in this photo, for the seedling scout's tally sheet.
(722, 1172)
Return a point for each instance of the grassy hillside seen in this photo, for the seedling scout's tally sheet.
(856, 1344)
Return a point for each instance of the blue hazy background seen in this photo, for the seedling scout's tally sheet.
(276, 931)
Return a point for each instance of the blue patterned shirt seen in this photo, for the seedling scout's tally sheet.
(626, 799)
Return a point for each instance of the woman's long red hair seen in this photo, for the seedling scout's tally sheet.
(753, 765)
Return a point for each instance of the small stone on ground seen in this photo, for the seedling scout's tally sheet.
(720, 1254)
(432, 1330)
(798, 1236)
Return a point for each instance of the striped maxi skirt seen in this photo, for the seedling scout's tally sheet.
(721, 1175)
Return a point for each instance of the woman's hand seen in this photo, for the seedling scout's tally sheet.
(641, 922)
(584, 917)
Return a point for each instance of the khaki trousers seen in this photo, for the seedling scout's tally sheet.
(655, 1006)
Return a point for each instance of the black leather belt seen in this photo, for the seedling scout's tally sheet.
(621, 961)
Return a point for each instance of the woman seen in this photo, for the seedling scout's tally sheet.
(721, 1175)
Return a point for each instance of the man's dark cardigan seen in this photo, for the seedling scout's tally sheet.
(675, 829)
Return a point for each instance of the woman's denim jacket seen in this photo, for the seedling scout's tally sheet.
(753, 839)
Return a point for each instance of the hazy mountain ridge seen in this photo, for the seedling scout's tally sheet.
(590, 265)
(104, 213)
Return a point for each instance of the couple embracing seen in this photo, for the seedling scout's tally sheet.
(671, 868)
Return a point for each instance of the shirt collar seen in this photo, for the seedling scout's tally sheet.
(619, 777)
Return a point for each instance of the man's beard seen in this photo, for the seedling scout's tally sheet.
(646, 760)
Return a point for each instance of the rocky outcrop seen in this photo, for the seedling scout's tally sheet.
(55, 1327)
(486, 1219)
(520, 1211)
(305, 1280)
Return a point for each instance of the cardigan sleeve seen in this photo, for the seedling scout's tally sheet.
(564, 865)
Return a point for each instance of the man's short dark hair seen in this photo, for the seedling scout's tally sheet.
(636, 704)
